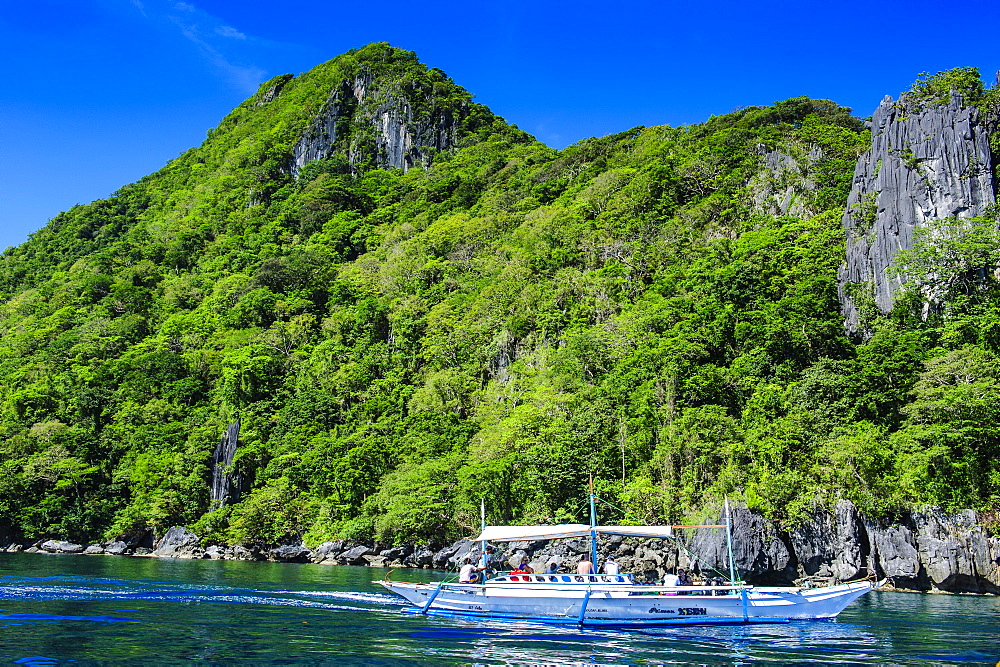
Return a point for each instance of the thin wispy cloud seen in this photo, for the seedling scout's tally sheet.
(246, 77)
(217, 42)
(229, 31)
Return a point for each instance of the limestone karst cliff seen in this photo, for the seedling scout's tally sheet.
(926, 162)
(785, 185)
(390, 128)
(227, 485)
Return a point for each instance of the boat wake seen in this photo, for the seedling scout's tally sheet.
(144, 590)
(384, 599)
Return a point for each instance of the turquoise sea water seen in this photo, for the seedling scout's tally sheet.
(101, 609)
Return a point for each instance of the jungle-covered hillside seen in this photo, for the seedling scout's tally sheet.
(498, 320)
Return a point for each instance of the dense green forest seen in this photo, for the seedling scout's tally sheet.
(499, 322)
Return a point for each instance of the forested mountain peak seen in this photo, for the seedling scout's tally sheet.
(409, 305)
(372, 107)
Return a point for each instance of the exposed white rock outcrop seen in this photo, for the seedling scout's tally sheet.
(783, 184)
(401, 135)
(178, 542)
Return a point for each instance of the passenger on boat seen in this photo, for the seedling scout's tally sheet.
(553, 568)
(467, 575)
(485, 563)
(670, 579)
(524, 568)
(585, 566)
(683, 579)
(610, 566)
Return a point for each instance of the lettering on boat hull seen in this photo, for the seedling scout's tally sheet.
(691, 611)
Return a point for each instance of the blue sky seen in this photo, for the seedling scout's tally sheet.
(98, 93)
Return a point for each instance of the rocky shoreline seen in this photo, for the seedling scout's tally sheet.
(921, 551)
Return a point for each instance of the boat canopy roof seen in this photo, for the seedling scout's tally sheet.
(566, 530)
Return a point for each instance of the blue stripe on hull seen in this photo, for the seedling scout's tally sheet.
(599, 622)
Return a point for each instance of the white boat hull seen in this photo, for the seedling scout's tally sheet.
(628, 604)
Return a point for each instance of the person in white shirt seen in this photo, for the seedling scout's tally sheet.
(610, 566)
(669, 579)
(467, 575)
(486, 559)
(485, 568)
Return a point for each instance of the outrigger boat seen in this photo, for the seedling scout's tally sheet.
(601, 600)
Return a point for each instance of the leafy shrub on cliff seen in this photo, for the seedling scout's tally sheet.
(935, 89)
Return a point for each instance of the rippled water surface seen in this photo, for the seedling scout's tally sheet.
(94, 609)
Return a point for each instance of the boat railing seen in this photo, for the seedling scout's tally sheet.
(610, 580)
(565, 578)
(696, 589)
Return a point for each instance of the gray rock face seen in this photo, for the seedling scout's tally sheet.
(61, 546)
(955, 553)
(895, 552)
(356, 556)
(328, 551)
(216, 552)
(116, 548)
(403, 138)
(758, 549)
(94, 549)
(372, 560)
(396, 553)
(317, 142)
(242, 553)
(291, 553)
(420, 558)
(272, 91)
(447, 557)
(178, 542)
(227, 485)
(831, 546)
(781, 185)
(924, 164)
(143, 539)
